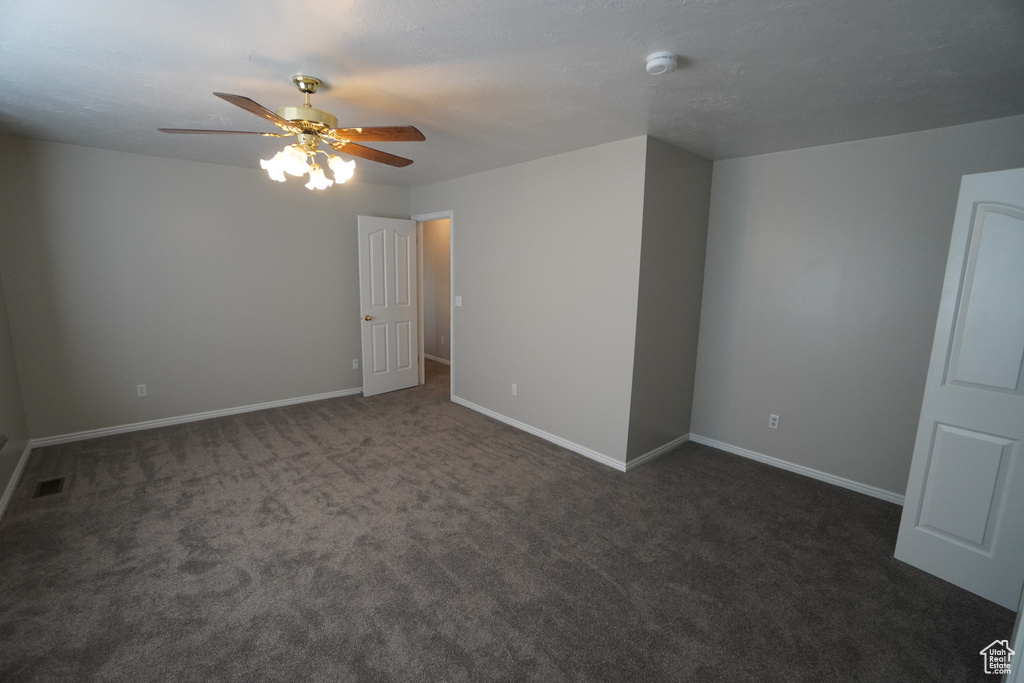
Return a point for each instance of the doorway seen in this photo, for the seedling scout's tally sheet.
(435, 273)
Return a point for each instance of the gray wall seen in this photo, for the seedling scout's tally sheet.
(677, 190)
(220, 289)
(547, 259)
(437, 277)
(212, 285)
(822, 282)
(12, 412)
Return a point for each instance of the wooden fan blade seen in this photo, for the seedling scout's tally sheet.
(376, 134)
(223, 132)
(368, 153)
(261, 111)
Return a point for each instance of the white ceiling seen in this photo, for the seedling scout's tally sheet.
(496, 82)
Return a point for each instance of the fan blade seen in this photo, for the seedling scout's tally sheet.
(261, 111)
(376, 134)
(223, 132)
(368, 153)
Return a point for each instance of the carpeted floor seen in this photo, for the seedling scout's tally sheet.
(405, 538)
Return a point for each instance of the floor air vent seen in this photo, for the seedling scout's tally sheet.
(49, 487)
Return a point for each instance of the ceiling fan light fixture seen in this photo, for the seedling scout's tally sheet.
(295, 161)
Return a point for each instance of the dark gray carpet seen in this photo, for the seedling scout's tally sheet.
(405, 538)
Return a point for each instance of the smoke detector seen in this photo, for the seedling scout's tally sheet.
(661, 63)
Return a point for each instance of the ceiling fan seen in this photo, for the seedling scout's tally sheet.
(312, 126)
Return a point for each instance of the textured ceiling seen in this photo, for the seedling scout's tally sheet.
(496, 82)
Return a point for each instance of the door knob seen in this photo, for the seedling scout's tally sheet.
(367, 317)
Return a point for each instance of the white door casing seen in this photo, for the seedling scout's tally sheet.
(389, 304)
(1016, 674)
(421, 219)
(963, 517)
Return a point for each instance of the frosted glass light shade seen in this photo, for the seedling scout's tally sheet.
(274, 167)
(342, 169)
(293, 161)
(317, 179)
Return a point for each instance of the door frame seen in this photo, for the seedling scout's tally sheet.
(1016, 674)
(420, 220)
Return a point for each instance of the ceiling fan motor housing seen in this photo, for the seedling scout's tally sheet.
(309, 117)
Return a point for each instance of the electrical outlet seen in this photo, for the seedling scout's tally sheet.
(140, 390)
(442, 341)
(355, 363)
(773, 422)
(458, 301)
(515, 390)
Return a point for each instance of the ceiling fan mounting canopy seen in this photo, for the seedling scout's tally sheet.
(306, 84)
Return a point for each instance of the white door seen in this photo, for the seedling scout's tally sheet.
(389, 303)
(963, 518)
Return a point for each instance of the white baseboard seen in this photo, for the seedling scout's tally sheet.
(657, 452)
(182, 419)
(866, 489)
(564, 443)
(575, 447)
(15, 478)
(444, 361)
